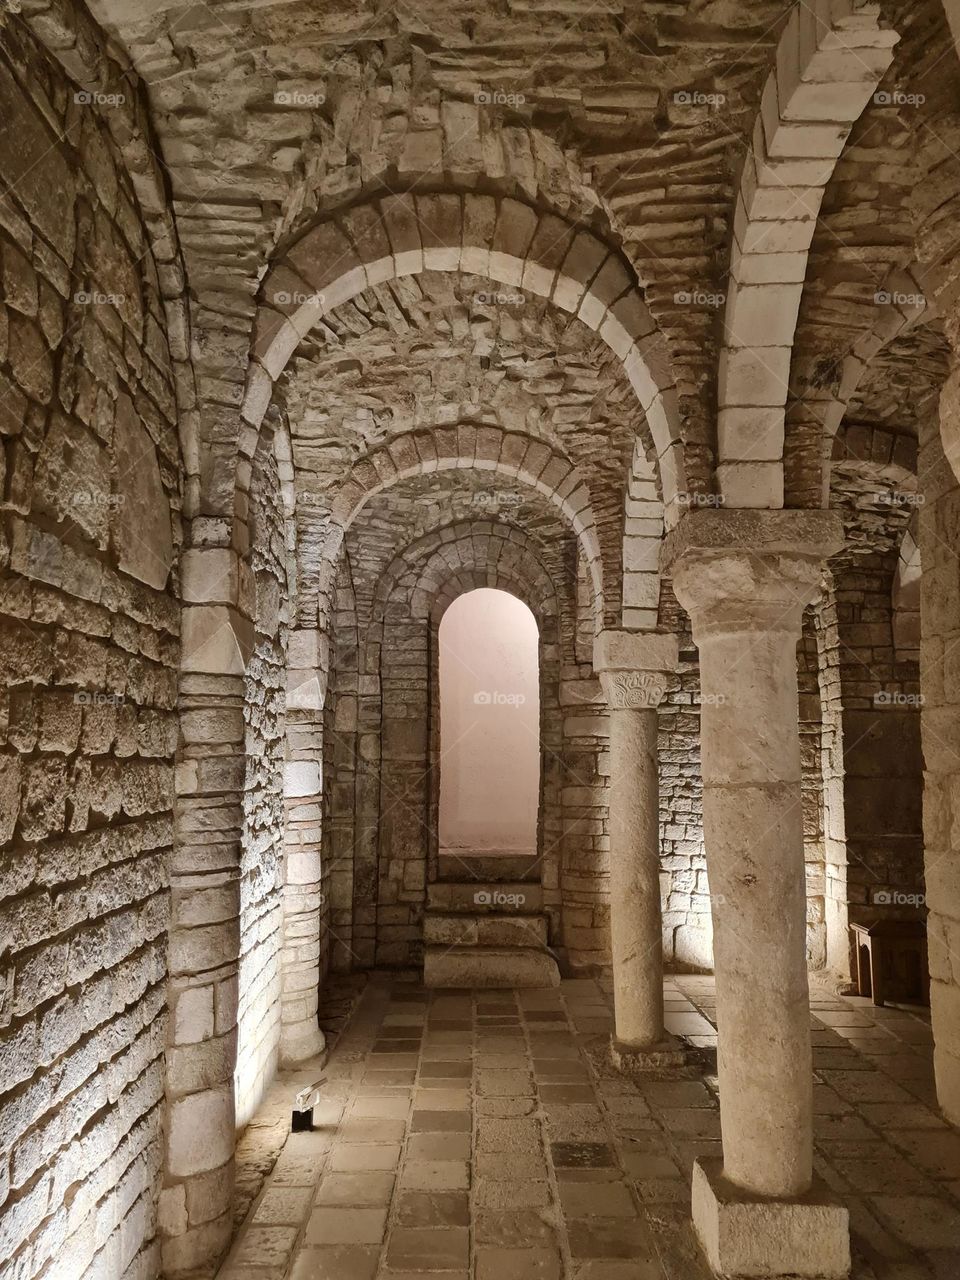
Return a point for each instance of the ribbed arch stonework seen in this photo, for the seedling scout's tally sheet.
(505, 240)
(829, 61)
(434, 568)
(817, 411)
(532, 462)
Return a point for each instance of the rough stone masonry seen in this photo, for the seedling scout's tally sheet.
(313, 319)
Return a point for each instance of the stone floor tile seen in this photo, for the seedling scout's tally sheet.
(419, 1275)
(433, 1209)
(610, 1238)
(937, 1152)
(360, 1157)
(521, 1228)
(442, 1099)
(582, 1155)
(687, 1024)
(606, 1270)
(696, 1122)
(336, 1225)
(355, 1189)
(434, 1249)
(507, 1135)
(591, 1175)
(922, 1222)
(662, 1190)
(265, 1246)
(487, 1061)
(502, 1108)
(440, 1122)
(499, 1083)
(559, 1070)
(295, 1172)
(336, 1262)
(523, 1165)
(620, 1150)
(435, 1175)
(445, 1071)
(641, 1164)
(571, 1122)
(567, 1093)
(596, 1200)
(492, 1193)
(518, 1264)
(283, 1206)
(439, 1146)
(367, 1129)
(389, 1108)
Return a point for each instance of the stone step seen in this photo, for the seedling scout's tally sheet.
(484, 930)
(492, 865)
(475, 897)
(489, 967)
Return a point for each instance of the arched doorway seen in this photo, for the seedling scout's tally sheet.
(489, 726)
(485, 923)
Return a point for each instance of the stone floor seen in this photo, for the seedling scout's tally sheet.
(483, 1135)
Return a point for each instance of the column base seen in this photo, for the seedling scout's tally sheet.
(745, 1238)
(637, 1060)
(300, 1042)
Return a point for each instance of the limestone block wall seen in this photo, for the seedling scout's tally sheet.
(811, 787)
(261, 853)
(404, 791)
(881, 747)
(685, 890)
(347, 932)
(584, 874)
(685, 887)
(836, 937)
(89, 626)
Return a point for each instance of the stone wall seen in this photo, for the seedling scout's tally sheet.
(347, 937)
(836, 939)
(881, 747)
(687, 924)
(89, 628)
(582, 893)
(811, 785)
(261, 858)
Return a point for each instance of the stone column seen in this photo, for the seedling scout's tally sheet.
(745, 577)
(634, 670)
(300, 1034)
(196, 1202)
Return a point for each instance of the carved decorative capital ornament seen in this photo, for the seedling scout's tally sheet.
(633, 690)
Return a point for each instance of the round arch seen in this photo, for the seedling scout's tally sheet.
(519, 457)
(505, 240)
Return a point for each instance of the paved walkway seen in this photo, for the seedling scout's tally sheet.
(482, 1136)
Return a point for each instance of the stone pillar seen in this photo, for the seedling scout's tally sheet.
(745, 578)
(300, 1034)
(196, 1202)
(634, 670)
(940, 725)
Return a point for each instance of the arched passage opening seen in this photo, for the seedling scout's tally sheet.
(489, 725)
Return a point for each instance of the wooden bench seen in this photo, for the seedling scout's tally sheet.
(892, 961)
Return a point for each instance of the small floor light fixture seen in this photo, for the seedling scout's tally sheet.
(303, 1104)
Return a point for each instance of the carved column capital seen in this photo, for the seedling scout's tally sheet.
(634, 667)
(633, 690)
(749, 570)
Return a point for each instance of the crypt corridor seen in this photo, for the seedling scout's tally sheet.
(480, 623)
